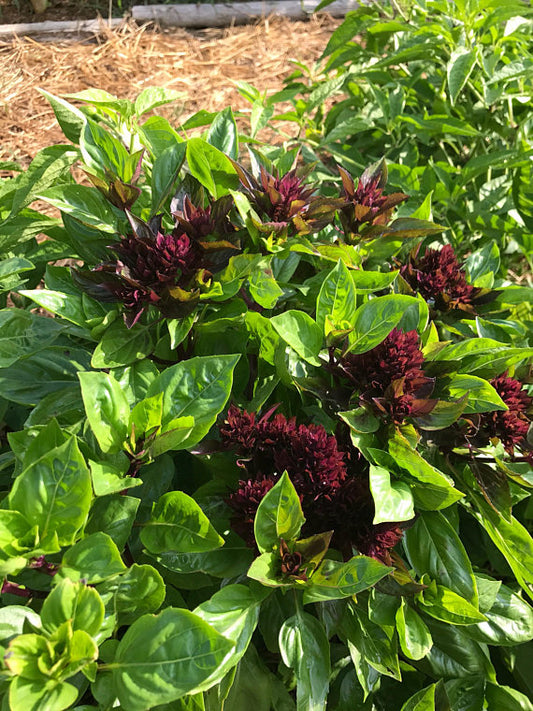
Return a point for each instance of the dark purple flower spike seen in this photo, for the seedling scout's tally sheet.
(440, 279)
(332, 485)
(389, 378)
(366, 205)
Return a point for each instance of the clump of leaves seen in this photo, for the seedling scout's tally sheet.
(261, 434)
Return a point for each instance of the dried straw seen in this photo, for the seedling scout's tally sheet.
(202, 65)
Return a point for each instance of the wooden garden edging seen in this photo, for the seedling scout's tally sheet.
(187, 15)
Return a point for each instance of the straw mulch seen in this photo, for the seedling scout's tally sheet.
(203, 65)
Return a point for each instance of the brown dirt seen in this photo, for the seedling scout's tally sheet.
(15, 11)
(203, 65)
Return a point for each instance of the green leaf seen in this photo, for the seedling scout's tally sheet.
(301, 333)
(75, 602)
(458, 70)
(48, 168)
(264, 289)
(23, 333)
(334, 580)
(211, 168)
(198, 387)
(482, 397)
(164, 657)
(234, 613)
(279, 515)
(138, 590)
(413, 633)
(423, 700)
(178, 524)
(304, 647)
(509, 621)
(455, 655)
(482, 262)
(68, 306)
(513, 541)
(337, 297)
(392, 501)
(223, 133)
(165, 172)
(30, 695)
(366, 282)
(374, 320)
(85, 204)
(69, 117)
(434, 548)
(154, 96)
(107, 409)
(435, 491)
(122, 346)
(113, 514)
(446, 605)
(54, 492)
(266, 569)
(371, 640)
(504, 697)
(95, 558)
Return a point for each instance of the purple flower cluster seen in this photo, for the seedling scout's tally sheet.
(367, 204)
(389, 378)
(509, 426)
(332, 485)
(440, 279)
(166, 270)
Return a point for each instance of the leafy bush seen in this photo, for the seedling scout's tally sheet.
(267, 451)
(443, 91)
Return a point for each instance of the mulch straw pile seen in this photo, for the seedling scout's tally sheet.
(202, 64)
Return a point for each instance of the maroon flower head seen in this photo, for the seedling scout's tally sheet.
(440, 279)
(151, 267)
(200, 222)
(509, 426)
(366, 204)
(390, 377)
(285, 205)
(332, 497)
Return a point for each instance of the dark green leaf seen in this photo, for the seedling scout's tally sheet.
(279, 515)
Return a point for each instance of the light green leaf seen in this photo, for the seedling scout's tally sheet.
(392, 501)
(178, 524)
(161, 658)
(301, 333)
(279, 515)
(107, 409)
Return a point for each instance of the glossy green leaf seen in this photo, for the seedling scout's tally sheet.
(165, 173)
(446, 605)
(54, 492)
(374, 320)
(132, 593)
(305, 648)
(164, 657)
(337, 297)
(85, 204)
(458, 70)
(76, 602)
(482, 397)
(198, 387)
(435, 490)
(107, 409)
(31, 695)
(178, 524)
(372, 641)
(152, 97)
(122, 346)
(301, 333)
(233, 611)
(434, 548)
(413, 633)
(334, 580)
(279, 515)
(223, 133)
(393, 501)
(93, 559)
(211, 168)
(509, 621)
